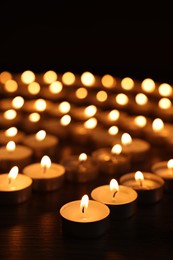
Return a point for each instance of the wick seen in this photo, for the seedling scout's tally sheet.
(9, 180)
(113, 157)
(140, 183)
(114, 194)
(83, 210)
(44, 169)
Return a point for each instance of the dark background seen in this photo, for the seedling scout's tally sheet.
(62, 36)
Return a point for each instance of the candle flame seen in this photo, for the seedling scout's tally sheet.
(108, 81)
(40, 104)
(170, 164)
(40, 135)
(65, 120)
(81, 93)
(141, 99)
(10, 114)
(84, 203)
(126, 139)
(55, 87)
(127, 83)
(64, 107)
(34, 88)
(114, 115)
(116, 149)
(13, 173)
(68, 78)
(157, 124)
(27, 77)
(90, 123)
(101, 96)
(165, 89)
(11, 86)
(122, 99)
(140, 121)
(164, 103)
(50, 76)
(139, 176)
(114, 187)
(11, 146)
(113, 130)
(17, 102)
(90, 110)
(34, 117)
(46, 162)
(82, 157)
(87, 79)
(10, 132)
(148, 85)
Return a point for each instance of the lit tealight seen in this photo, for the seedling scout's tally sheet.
(114, 187)
(116, 149)
(81, 93)
(113, 130)
(127, 83)
(45, 163)
(141, 99)
(18, 102)
(5, 76)
(13, 174)
(108, 81)
(64, 107)
(126, 139)
(140, 121)
(55, 87)
(68, 78)
(122, 99)
(40, 104)
(170, 165)
(40, 135)
(165, 90)
(148, 85)
(90, 110)
(65, 120)
(87, 79)
(165, 103)
(34, 88)
(34, 117)
(11, 86)
(10, 146)
(84, 204)
(101, 96)
(139, 177)
(12, 131)
(91, 123)
(50, 76)
(157, 124)
(114, 115)
(27, 77)
(82, 157)
(10, 114)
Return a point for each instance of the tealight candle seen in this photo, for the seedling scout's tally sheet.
(82, 168)
(54, 91)
(12, 154)
(14, 187)
(60, 109)
(120, 199)
(11, 134)
(46, 176)
(9, 118)
(110, 117)
(32, 123)
(164, 169)
(149, 186)
(84, 218)
(83, 113)
(15, 103)
(39, 105)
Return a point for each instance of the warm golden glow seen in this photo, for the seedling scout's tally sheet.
(164, 103)
(126, 139)
(114, 187)
(11, 86)
(90, 110)
(90, 123)
(5, 76)
(13, 173)
(64, 107)
(81, 93)
(34, 88)
(34, 117)
(101, 96)
(127, 83)
(82, 157)
(11, 146)
(68, 78)
(113, 130)
(140, 121)
(170, 164)
(10, 114)
(139, 176)
(40, 104)
(87, 79)
(122, 99)
(114, 115)
(84, 203)
(157, 125)
(108, 81)
(55, 87)
(18, 102)
(116, 149)
(141, 99)
(46, 161)
(40, 135)
(10, 132)
(27, 77)
(165, 90)
(50, 76)
(65, 120)
(148, 85)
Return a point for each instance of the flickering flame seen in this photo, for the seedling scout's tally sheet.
(40, 135)
(164, 103)
(27, 77)
(64, 107)
(84, 203)
(87, 79)
(11, 85)
(40, 104)
(141, 99)
(10, 132)
(90, 110)
(127, 83)
(50, 76)
(122, 99)
(165, 90)
(140, 121)
(10, 114)
(113, 130)
(68, 78)
(114, 115)
(55, 87)
(5, 76)
(13, 173)
(34, 117)
(91, 123)
(148, 85)
(18, 102)
(139, 176)
(46, 162)
(116, 149)
(81, 93)
(11, 146)
(126, 139)
(65, 120)
(157, 125)
(101, 96)
(108, 81)
(34, 88)
(170, 164)
(82, 157)
(114, 187)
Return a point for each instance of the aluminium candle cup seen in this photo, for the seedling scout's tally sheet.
(151, 191)
(51, 180)
(19, 191)
(74, 225)
(80, 171)
(161, 169)
(124, 204)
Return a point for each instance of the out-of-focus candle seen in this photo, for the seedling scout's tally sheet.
(11, 134)
(148, 85)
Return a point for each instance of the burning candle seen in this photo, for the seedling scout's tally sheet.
(9, 118)
(84, 218)
(83, 113)
(32, 123)
(11, 134)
